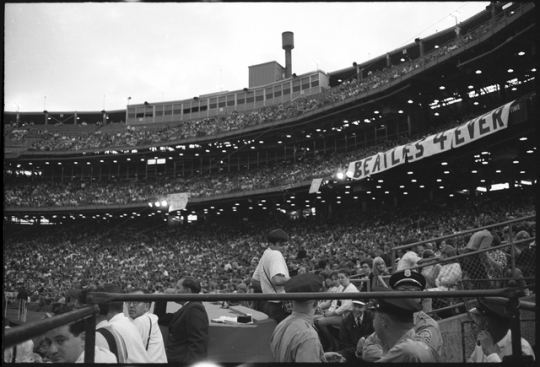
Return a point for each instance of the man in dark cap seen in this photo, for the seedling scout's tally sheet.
(494, 340)
(394, 326)
(424, 325)
(295, 339)
(272, 272)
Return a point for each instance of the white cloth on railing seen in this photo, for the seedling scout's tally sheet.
(448, 277)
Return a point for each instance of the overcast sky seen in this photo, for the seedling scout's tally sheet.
(92, 56)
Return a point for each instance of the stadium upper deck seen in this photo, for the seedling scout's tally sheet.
(445, 87)
(384, 75)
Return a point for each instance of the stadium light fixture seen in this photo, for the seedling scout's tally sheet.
(510, 70)
(150, 204)
(163, 203)
(478, 71)
(157, 204)
(523, 138)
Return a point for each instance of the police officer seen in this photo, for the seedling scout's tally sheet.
(425, 326)
(295, 339)
(394, 325)
(494, 340)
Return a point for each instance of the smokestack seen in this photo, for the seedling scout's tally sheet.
(288, 45)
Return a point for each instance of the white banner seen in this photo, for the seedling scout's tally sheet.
(429, 146)
(484, 125)
(177, 201)
(478, 128)
(315, 185)
(376, 163)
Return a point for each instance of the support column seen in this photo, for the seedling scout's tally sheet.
(421, 47)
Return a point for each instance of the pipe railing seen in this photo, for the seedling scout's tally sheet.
(32, 329)
(29, 330)
(511, 242)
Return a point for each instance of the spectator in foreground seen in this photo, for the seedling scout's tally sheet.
(358, 324)
(148, 327)
(295, 339)
(337, 311)
(20, 353)
(188, 327)
(272, 272)
(66, 345)
(425, 327)
(494, 341)
(394, 326)
(136, 353)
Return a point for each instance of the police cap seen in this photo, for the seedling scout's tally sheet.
(407, 277)
(307, 282)
(401, 308)
(493, 311)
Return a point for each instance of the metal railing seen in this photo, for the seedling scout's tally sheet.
(510, 298)
(511, 242)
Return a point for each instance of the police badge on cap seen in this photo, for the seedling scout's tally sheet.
(407, 277)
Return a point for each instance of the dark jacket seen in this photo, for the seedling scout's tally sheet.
(188, 332)
(350, 333)
(363, 286)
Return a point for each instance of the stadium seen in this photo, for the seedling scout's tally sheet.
(432, 141)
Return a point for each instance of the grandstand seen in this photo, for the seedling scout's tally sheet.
(306, 165)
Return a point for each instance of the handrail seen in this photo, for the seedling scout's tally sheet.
(32, 329)
(512, 242)
(469, 254)
(101, 297)
(465, 232)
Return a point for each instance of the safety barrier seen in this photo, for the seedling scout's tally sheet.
(510, 298)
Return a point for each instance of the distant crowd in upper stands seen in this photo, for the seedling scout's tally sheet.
(24, 192)
(136, 136)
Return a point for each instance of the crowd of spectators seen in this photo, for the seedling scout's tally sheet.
(224, 254)
(22, 191)
(140, 136)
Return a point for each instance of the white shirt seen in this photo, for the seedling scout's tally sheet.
(136, 353)
(408, 261)
(505, 346)
(101, 355)
(103, 343)
(346, 304)
(24, 352)
(273, 263)
(156, 347)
